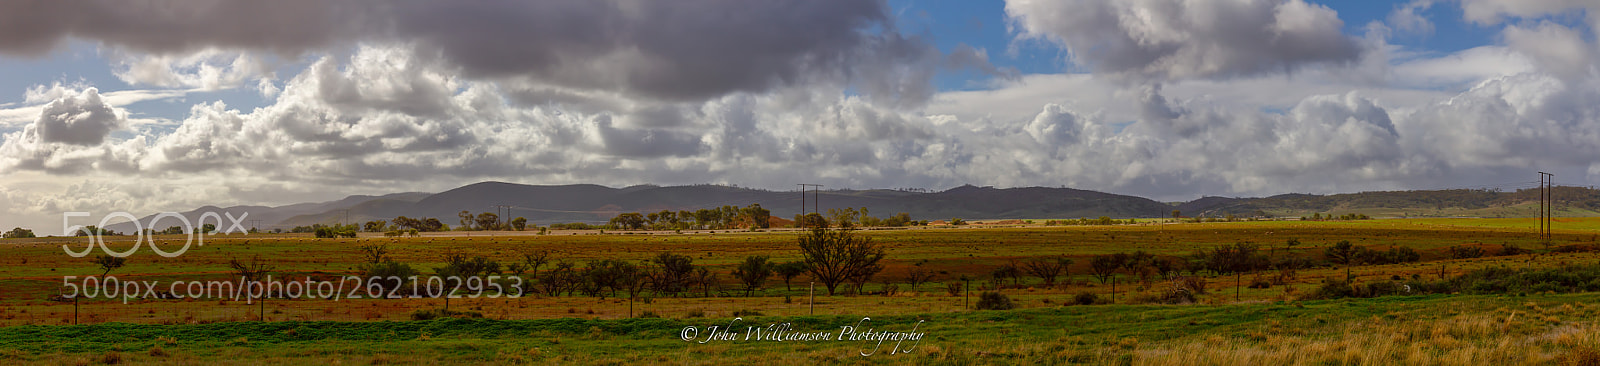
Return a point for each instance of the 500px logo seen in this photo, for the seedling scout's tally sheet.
(140, 237)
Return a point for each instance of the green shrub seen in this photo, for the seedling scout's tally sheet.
(994, 301)
(1331, 289)
(746, 312)
(384, 271)
(431, 314)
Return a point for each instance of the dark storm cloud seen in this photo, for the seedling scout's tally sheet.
(665, 50)
(283, 26)
(684, 50)
(1182, 39)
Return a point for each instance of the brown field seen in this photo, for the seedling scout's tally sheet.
(35, 270)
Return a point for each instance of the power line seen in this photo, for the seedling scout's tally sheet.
(816, 196)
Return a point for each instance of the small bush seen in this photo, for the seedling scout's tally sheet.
(1465, 251)
(746, 312)
(696, 313)
(1193, 284)
(1171, 296)
(1260, 282)
(649, 314)
(1581, 355)
(1574, 248)
(954, 288)
(431, 314)
(1331, 289)
(1512, 250)
(994, 301)
(111, 358)
(1087, 298)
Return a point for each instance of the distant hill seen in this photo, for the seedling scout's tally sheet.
(597, 204)
(1569, 201)
(589, 203)
(269, 216)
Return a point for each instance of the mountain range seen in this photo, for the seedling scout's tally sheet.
(589, 203)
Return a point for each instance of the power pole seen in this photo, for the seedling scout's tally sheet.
(502, 218)
(816, 197)
(1546, 203)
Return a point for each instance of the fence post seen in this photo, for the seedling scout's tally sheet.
(813, 299)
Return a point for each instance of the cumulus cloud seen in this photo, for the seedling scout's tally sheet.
(1556, 48)
(1182, 39)
(209, 69)
(81, 119)
(622, 92)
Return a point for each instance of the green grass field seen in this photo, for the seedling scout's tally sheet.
(1227, 325)
(1409, 330)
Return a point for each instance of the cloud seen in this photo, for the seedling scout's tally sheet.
(165, 26)
(1556, 48)
(675, 51)
(1184, 39)
(766, 102)
(1405, 18)
(81, 119)
(1497, 11)
(209, 69)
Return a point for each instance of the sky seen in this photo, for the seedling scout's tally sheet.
(151, 106)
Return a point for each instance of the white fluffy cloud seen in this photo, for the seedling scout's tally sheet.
(209, 69)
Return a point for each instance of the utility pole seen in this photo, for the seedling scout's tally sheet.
(1546, 203)
(502, 217)
(816, 197)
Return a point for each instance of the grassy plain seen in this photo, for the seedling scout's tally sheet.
(1225, 327)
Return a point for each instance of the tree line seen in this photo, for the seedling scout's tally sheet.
(833, 258)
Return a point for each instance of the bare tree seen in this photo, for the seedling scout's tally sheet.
(918, 275)
(835, 256)
(1047, 269)
(1104, 266)
(250, 273)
